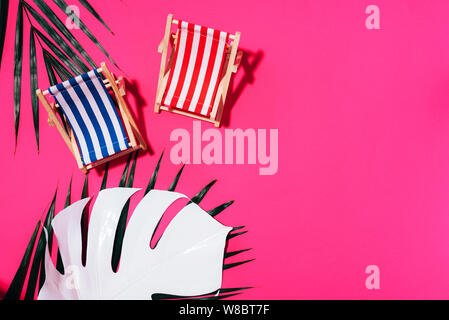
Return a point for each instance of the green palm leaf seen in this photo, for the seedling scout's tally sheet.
(49, 228)
(35, 266)
(121, 225)
(52, 77)
(233, 235)
(61, 55)
(85, 186)
(63, 76)
(219, 297)
(235, 264)
(220, 208)
(200, 195)
(4, 5)
(18, 53)
(216, 295)
(84, 219)
(94, 13)
(105, 177)
(69, 12)
(64, 31)
(63, 72)
(33, 85)
(153, 178)
(59, 262)
(56, 37)
(15, 289)
(175, 181)
(233, 253)
(122, 182)
(50, 72)
(69, 194)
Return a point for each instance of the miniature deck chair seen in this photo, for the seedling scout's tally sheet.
(196, 78)
(90, 124)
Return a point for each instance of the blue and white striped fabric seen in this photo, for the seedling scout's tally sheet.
(91, 113)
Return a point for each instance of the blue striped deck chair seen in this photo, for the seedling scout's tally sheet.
(94, 129)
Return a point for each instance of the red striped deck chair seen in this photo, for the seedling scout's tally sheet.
(194, 81)
(92, 126)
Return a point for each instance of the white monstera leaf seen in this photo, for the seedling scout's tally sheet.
(187, 261)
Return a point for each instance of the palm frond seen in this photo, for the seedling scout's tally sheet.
(38, 271)
(76, 70)
(235, 264)
(233, 235)
(50, 72)
(35, 267)
(121, 225)
(200, 195)
(34, 86)
(216, 295)
(84, 219)
(220, 208)
(18, 53)
(153, 178)
(15, 289)
(4, 5)
(61, 70)
(105, 177)
(94, 13)
(175, 181)
(69, 12)
(125, 172)
(64, 31)
(49, 228)
(56, 37)
(59, 262)
(69, 194)
(233, 253)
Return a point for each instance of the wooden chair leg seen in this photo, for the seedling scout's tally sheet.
(163, 48)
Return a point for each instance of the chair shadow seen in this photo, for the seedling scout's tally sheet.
(132, 88)
(3, 289)
(249, 63)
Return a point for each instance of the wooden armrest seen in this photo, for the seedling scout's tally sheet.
(121, 86)
(172, 39)
(237, 61)
(160, 48)
(120, 82)
(50, 122)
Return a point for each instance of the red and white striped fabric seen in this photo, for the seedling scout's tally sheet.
(194, 77)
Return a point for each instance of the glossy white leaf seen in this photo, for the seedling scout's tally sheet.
(187, 260)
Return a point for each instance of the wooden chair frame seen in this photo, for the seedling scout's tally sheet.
(119, 90)
(231, 64)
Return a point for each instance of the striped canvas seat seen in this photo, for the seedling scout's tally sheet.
(92, 115)
(197, 66)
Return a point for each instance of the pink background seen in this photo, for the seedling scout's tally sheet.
(363, 119)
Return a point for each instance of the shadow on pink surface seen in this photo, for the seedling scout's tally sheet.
(132, 89)
(249, 63)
